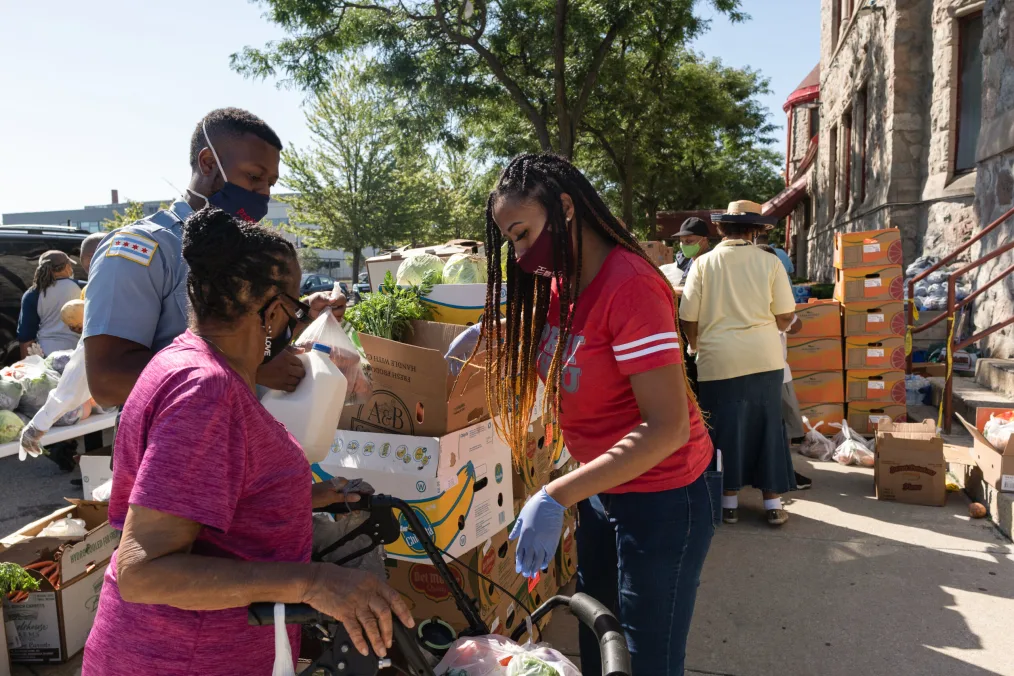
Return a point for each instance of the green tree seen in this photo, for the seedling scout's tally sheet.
(360, 179)
(525, 70)
(309, 259)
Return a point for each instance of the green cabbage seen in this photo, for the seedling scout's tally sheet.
(527, 665)
(413, 269)
(37, 384)
(465, 269)
(10, 394)
(10, 427)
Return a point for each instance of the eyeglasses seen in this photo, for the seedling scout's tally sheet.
(302, 311)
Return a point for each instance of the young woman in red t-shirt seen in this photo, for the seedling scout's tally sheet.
(590, 315)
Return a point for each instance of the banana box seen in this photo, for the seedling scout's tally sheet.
(413, 390)
(462, 304)
(566, 555)
(537, 464)
(459, 484)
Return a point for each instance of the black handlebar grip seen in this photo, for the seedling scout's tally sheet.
(263, 614)
(612, 644)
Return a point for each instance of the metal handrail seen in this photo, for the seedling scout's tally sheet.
(953, 344)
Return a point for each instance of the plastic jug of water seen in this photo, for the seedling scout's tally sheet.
(311, 413)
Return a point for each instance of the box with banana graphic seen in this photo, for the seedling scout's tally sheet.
(459, 484)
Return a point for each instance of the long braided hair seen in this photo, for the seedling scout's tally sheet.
(45, 277)
(512, 360)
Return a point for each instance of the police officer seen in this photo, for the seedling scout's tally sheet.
(137, 293)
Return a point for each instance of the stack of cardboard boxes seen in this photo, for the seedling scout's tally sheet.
(428, 438)
(815, 357)
(870, 286)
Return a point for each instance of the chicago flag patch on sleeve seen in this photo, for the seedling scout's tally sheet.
(133, 247)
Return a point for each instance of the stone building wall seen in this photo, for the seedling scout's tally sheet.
(995, 173)
(904, 55)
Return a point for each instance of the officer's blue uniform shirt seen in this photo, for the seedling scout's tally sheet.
(137, 289)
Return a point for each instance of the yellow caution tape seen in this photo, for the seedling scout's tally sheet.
(950, 367)
(908, 341)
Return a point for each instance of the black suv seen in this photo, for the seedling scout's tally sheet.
(20, 248)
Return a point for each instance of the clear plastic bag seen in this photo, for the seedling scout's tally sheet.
(815, 445)
(346, 354)
(998, 429)
(65, 528)
(851, 448)
(496, 655)
(36, 382)
(103, 492)
(284, 664)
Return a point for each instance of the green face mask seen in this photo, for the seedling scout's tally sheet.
(690, 250)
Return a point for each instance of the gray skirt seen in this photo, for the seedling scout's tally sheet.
(745, 421)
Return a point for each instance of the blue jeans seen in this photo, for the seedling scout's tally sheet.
(641, 555)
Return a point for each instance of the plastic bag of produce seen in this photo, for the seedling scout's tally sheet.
(815, 445)
(496, 655)
(10, 394)
(57, 361)
(852, 449)
(999, 429)
(413, 270)
(10, 427)
(36, 382)
(346, 355)
(920, 265)
(465, 269)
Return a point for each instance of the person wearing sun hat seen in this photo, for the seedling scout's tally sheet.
(740, 367)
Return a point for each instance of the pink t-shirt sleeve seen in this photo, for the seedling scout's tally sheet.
(195, 456)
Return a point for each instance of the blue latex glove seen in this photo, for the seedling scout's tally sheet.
(538, 533)
(461, 348)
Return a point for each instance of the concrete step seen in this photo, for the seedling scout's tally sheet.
(996, 375)
(970, 395)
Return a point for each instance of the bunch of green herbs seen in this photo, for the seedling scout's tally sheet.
(14, 578)
(389, 312)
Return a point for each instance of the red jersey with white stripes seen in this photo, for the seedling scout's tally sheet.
(624, 324)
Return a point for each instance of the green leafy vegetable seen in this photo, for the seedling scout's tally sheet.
(465, 269)
(10, 394)
(390, 311)
(14, 578)
(414, 269)
(10, 427)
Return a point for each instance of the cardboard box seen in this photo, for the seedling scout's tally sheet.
(53, 624)
(537, 464)
(865, 416)
(531, 594)
(462, 304)
(96, 469)
(875, 319)
(822, 415)
(566, 555)
(873, 385)
(428, 595)
(863, 249)
(996, 464)
(874, 352)
(820, 318)
(814, 354)
(658, 252)
(876, 284)
(459, 484)
(819, 387)
(909, 465)
(930, 369)
(413, 392)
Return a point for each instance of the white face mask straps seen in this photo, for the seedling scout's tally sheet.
(218, 163)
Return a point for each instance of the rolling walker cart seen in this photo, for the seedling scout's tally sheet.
(410, 652)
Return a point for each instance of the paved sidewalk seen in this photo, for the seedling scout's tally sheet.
(850, 586)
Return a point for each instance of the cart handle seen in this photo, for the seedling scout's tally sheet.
(592, 614)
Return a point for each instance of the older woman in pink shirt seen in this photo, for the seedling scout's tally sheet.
(213, 496)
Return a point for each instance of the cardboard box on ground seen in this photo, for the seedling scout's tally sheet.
(96, 469)
(53, 624)
(909, 465)
(995, 464)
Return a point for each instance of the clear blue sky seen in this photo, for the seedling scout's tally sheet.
(104, 94)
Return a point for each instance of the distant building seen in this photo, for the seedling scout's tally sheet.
(333, 262)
